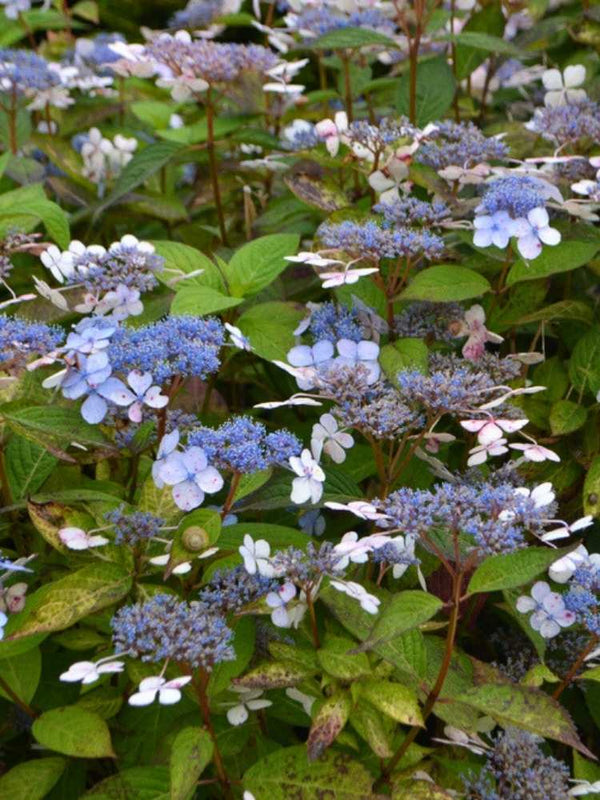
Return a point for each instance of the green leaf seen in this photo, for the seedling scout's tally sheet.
(511, 570)
(136, 783)
(274, 675)
(198, 131)
(489, 21)
(50, 214)
(371, 726)
(446, 283)
(405, 611)
(257, 263)
(201, 300)
(591, 489)
(564, 309)
(87, 10)
(526, 708)
(328, 723)
(159, 501)
(482, 41)
(51, 426)
(182, 260)
(337, 660)
(566, 417)
(584, 366)
(278, 536)
(419, 790)
(59, 604)
(393, 699)
(27, 466)
(403, 354)
(191, 753)
(287, 773)
(141, 167)
(586, 771)
(270, 328)
(563, 257)
(31, 780)
(75, 732)
(244, 635)
(22, 673)
(154, 113)
(435, 91)
(350, 39)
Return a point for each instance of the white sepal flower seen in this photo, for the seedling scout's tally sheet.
(549, 612)
(78, 539)
(562, 88)
(327, 437)
(256, 555)
(168, 692)
(368, 602)
(250, 700)
(309, 483)
(90, 671)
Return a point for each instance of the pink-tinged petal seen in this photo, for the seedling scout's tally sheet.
(154, 398)
(140, 382)
(511, 425)
(209, 480)
(194, 459)
(489, 433)
(187, 495)
(173, 469)
(115, 390)
(473, 425)
(135, 412)
(529, 246)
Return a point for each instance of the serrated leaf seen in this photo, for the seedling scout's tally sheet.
(181, 260)
(393, 699)
(135, 783)
(73, 731)
(404, 611)
(584, 365)
(270, 328)
(273, 675)
(435, 91)
(328, 723)
(51, 426)
(27, 466)
(31, 780)
(22, 674)
(446, 283)
(59, 604)
(566, 417)
(591, 489)
(403, 354)
(564, 309)
(510, 570)
(288, 773)
(142, 166)
(257, 263)
(191, 752)
(351, 39)
(201, 300)
(337, 660)
(525, 708)
(244, 635)
(370, 725)
(562, 257)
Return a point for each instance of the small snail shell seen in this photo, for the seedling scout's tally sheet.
(194, 538)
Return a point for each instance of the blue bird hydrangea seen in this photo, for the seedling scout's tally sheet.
(20, 339)
(243, 445)
(369, 240)
(166, 628)
(135, 527)
(331, 323)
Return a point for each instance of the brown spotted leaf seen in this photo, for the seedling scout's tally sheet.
(328, 723)
(273, 675)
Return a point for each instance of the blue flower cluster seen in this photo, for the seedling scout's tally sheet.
(496, 516)
(324, 19)
(228, 591)
(331, 323)
(22, 72)
(369, 240)
(411, 211)
(243, 445)
(425, 319)
(515, 194)
(518, 769)
(122, 264)
(186, 346)
(196, 14)
(19, 339)
(133, 528)
(459, 144)
(166, 628)
(565, 124)
(583, 597)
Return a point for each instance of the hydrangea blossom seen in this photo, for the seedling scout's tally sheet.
(549, 615)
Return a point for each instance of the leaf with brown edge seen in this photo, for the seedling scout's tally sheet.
(273, 675)
(526, 708)
(328, 724)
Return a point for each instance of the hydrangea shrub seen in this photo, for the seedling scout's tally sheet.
(299, 400)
